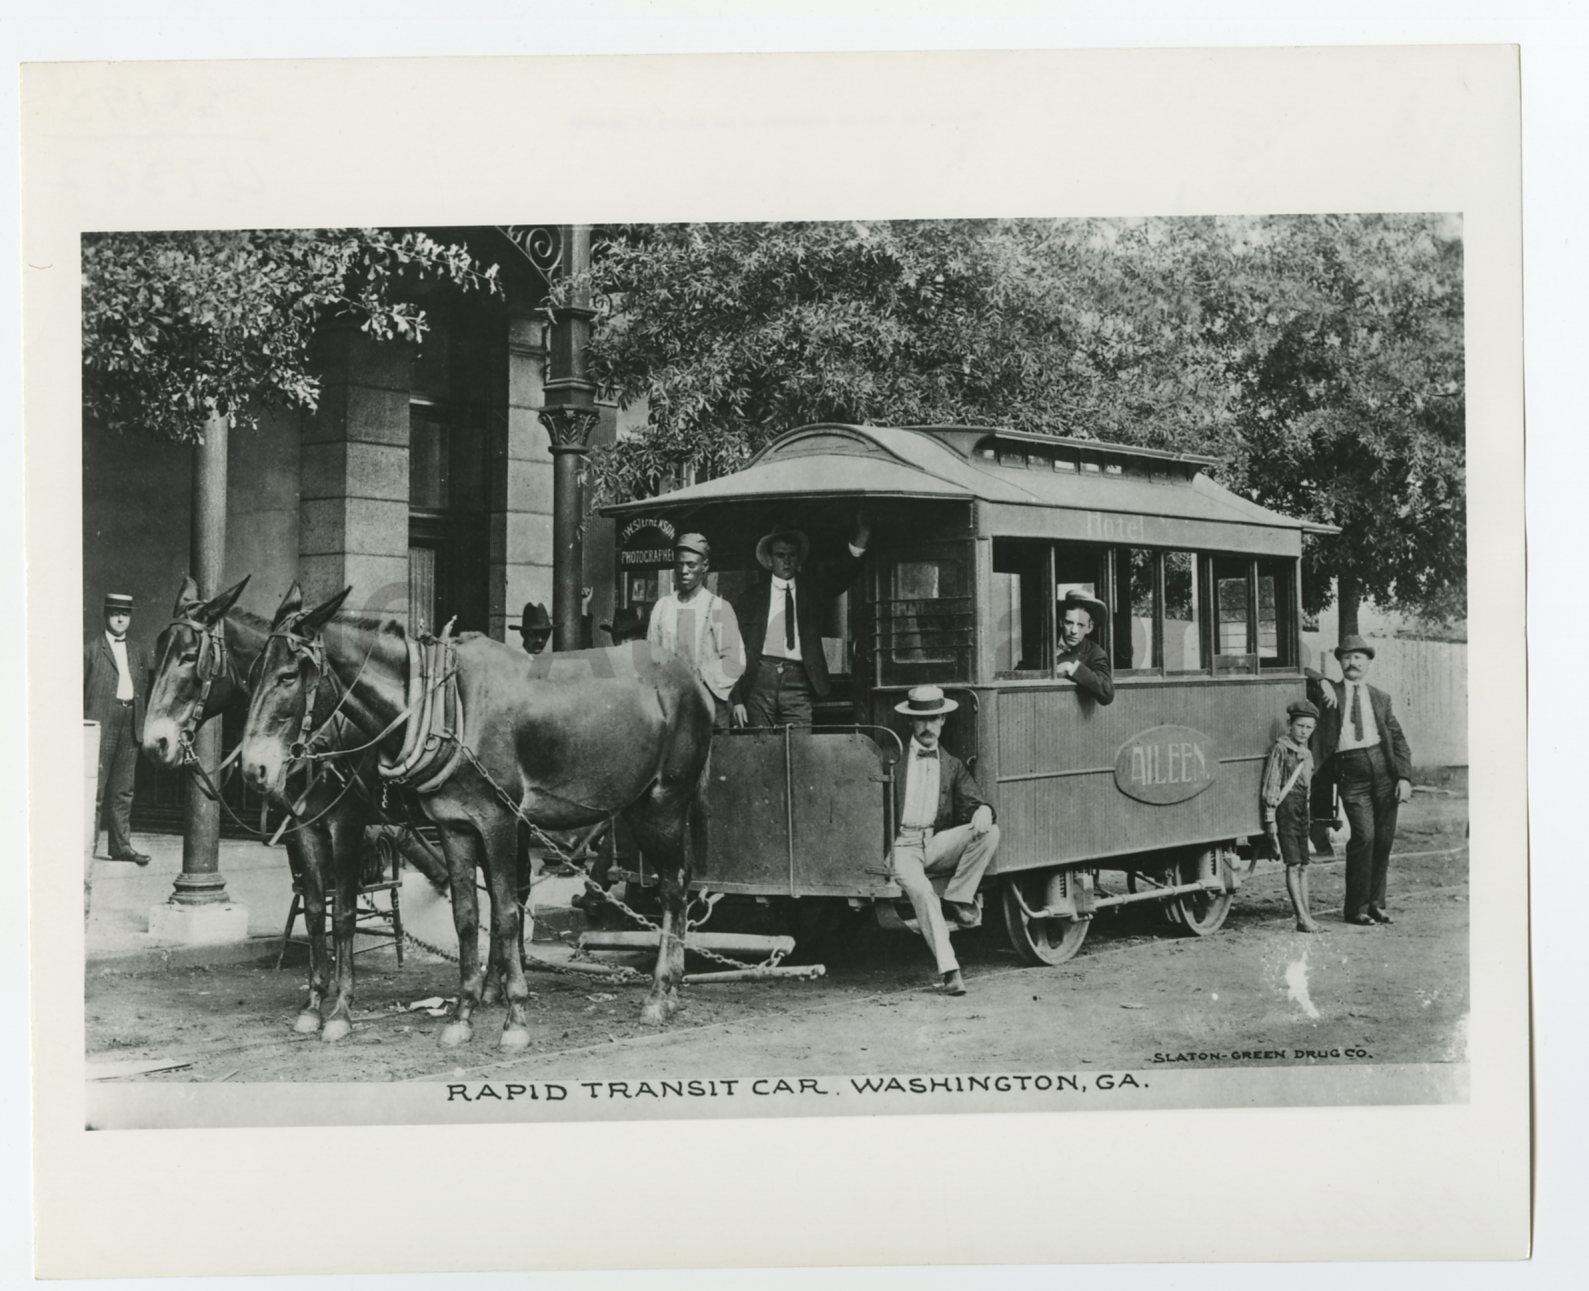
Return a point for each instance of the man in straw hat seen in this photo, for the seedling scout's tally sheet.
(115, 682)
(786, 670)
(695, 622)
(1362, 749)
(945, 828)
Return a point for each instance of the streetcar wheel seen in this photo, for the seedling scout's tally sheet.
(1200, 913)
(1050, 940)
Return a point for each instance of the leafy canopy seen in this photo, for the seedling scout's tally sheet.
(179, 324)
(1320, 358)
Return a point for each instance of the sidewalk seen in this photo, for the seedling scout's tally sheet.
(257, 878)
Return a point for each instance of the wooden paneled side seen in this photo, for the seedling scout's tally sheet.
(1054, 779)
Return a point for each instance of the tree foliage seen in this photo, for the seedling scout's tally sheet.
(1319, 358)
(178, 324)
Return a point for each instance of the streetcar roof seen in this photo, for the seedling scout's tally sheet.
(972, 464)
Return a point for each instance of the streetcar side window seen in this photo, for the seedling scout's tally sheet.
(1084, 569)
(1022, 636)
(1183, 613)
(1136, 610)
(1235, 616)
(924, 623)
(1277, 614)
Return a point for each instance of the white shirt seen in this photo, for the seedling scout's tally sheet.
(1370, 729)
(921, 788)
(118, 647)
(704, 630)
(776, 647)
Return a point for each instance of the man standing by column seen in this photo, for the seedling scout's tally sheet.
(115, 680)
(786, 670)
(695, 622)
(1363, 750)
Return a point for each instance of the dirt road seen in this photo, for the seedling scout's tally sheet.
(1137, 994)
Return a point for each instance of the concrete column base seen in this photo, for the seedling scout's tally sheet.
(198, 925)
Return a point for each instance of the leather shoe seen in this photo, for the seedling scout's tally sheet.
(1362, 920)
(964, 914)
(953, 983)
(137, 858)
(1378, 915)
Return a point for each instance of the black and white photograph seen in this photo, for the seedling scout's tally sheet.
(791, 664)
(1034, 621)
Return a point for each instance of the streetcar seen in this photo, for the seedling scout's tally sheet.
(978, 534)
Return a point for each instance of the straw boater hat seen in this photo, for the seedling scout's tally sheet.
(1095, 608)
(926, 701)
(1353, 642)
(694, 542)
(534, 617)
(118, 603)
(764, 547)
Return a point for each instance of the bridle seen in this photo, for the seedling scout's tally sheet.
(214, 662)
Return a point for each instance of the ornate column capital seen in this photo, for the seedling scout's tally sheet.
(569, 428)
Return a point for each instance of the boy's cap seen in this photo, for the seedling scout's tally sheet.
(1301, 708)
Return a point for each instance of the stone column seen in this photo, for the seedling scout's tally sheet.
(199, 909)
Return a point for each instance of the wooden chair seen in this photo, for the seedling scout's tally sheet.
(381, 871)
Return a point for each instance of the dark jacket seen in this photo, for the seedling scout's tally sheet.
(813, 589)
(959, 795)
(99, 681)
(1096, 673)
(1327, 734)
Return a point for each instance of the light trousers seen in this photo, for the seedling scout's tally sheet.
(920, 856)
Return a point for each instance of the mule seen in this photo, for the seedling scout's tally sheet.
(203, 660)
(567, 740)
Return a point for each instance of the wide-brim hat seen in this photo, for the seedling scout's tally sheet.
(695, 542)
(1095, 608)
(764, 547)
(1352, 643)
(926, 701)
(533, 619)
(118, 603)
(1301, 708)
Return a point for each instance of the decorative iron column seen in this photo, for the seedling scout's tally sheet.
(569, 415)
(200, 882)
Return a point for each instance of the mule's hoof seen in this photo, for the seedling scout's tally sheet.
(336, 1029)
(655, 1013)
(515, 1038)
(456, 1033)
(308, 1022)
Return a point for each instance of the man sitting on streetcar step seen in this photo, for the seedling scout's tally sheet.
(1287, 793)
(1362, 749)
(1081, 659)
(695, 622)
(945, 827)
(787, 671)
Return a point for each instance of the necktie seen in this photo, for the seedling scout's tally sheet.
(1357, 711)
(788, 616)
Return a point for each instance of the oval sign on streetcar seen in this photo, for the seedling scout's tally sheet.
(1166, 764)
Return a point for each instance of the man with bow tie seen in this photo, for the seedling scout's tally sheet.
(786, 671)
(945, 827)
(1360, 746)
(115, 681)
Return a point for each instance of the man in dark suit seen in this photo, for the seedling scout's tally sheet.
(1081, 659)
(1360, 746)
(115, 683)
(945, 828)
(786, 671)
